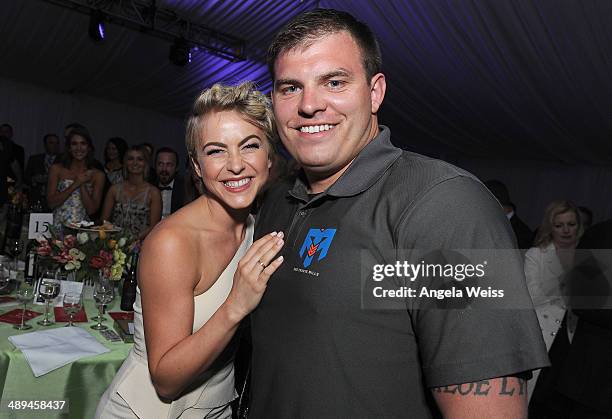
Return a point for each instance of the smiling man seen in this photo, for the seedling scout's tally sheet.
(318, 351)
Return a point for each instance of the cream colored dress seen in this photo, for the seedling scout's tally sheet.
(132, 395)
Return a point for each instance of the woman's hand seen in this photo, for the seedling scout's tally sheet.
(84, 177)
(253, 272)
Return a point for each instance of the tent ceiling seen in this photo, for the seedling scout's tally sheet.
(480, 78)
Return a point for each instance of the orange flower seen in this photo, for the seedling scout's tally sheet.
(102, 234)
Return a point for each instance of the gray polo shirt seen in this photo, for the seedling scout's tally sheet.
(321, 349)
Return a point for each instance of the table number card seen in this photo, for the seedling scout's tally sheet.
(39, 224)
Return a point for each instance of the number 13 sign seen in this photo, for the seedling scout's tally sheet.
(39, 224)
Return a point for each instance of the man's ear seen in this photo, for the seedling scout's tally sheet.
(378, 87)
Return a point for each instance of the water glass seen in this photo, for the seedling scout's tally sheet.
(25, 295)
(103, 294)
(48, 289)
(72, 303)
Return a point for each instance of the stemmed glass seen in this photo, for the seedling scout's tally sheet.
(103, 294)
(15, 249)
(5, 276)
(72, 303)
(48, 289)
(25, 295)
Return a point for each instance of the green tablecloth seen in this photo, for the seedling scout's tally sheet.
(80, 383)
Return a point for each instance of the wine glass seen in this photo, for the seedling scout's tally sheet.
(15, 248)
(48, 289)
(5, 275)
(25, 295)
(72, 303)
(103, 294)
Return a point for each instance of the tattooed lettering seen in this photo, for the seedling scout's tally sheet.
(509, 386)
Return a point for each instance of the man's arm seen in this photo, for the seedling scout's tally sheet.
(503, 398)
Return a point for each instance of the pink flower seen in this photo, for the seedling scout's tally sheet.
(44, 249)
(107, 256)
(96, 262)
(70, 241)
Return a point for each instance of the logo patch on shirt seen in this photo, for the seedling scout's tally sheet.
(318, 241)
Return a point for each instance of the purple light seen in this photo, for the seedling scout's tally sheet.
(101, 30)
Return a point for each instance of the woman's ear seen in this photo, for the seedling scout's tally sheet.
(196, 166)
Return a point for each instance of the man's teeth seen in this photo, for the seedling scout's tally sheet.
(237, 183)
(316, 128)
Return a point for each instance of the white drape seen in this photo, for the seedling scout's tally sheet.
(35, 111)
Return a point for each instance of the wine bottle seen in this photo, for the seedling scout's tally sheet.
(128, 295)
(30, 273)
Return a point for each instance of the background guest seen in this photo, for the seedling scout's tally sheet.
(114, 152)
(169, 182)
(7, 161)
(579, 382)
(6, 130)
(152, 179)
(193, 184)
(37, 170)
(133, 204)
(545, 267)
(523, 234)
(586, 217)
(74, 190)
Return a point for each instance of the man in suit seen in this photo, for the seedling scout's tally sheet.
(6, 131)
(524, 235)
(169, 182)
(37, 170)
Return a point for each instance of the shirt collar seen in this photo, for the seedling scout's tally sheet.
(369, 165)
(170, 185)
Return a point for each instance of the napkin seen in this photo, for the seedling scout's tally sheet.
(122, 315)
(14, 316)
(48, 350)
(5, 300)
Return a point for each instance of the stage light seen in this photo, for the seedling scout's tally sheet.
(97, 28)
(180, 52)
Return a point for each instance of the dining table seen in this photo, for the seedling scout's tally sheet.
(77, 387)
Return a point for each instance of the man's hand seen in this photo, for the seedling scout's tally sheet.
(500, 398)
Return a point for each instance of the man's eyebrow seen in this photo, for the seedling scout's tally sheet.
(341, 72)
(280, 82)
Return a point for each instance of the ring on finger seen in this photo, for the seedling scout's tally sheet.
(263, 265)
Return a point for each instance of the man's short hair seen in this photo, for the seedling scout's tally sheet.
(167, 150)
(499, 191)
(304, 29)
(9, 126)
(47, 136)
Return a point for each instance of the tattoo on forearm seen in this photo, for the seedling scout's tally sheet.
(510, 386)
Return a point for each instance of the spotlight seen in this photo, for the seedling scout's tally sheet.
(97, 28)
(180, 52)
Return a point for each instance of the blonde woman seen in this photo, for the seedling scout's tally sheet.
(134, 204)
(545, 266)
(197, 280)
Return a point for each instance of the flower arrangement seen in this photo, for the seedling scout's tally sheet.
(86, 254)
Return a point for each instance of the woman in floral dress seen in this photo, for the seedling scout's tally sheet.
(75, 185)
(134, 204)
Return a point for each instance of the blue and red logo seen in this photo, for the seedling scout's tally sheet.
(317, 240)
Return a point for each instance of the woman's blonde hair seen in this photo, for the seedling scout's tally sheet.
(544, 236)
(243, 98)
